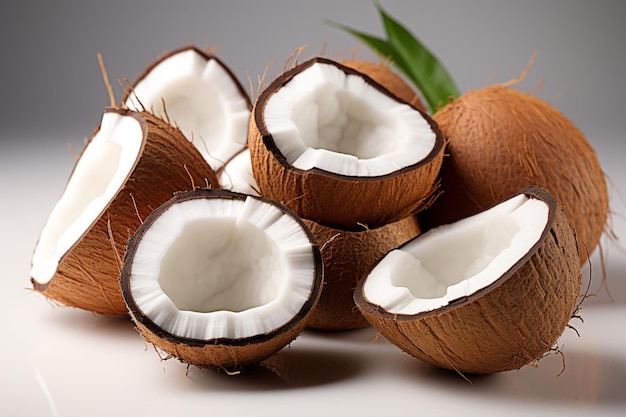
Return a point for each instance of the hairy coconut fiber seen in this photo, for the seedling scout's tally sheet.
(335, 200)
(512, 322)
(388, 78)
(501, 140)
(348, 256)
(230, 354)
(88, 274)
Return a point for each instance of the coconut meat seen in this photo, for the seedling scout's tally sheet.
(455, 261)
(325, 118)
(222, 268)
(237, 174)
(200, 97)
(100, 172)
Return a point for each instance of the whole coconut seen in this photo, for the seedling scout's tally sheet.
(500, 140)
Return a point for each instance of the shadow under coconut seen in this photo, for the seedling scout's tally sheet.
(575, 378)
(608, 285)
(291, 368)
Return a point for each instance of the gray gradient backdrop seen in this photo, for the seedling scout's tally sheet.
(51, 84)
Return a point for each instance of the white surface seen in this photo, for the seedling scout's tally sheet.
(59, 361)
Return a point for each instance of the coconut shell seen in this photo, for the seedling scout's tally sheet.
(335, 200)
(88, 274)
(385, 76)
(504, 326)
(501, 140)
(348, 257)
(223, 353)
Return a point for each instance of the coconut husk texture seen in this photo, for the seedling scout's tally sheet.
(88, 274)
(231, 355)
(384, 75)
(331, 199)
(348, 257)
(501, 140)
(511, 323)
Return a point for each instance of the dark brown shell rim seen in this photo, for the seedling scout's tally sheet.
(284, 78)
(157, 330)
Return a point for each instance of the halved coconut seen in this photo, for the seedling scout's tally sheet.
(341, 150)
(221, 279)
(489, 293)
(198, 93)
(348, 256)
(133, 163)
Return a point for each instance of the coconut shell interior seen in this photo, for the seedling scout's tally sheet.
(88, 274)
(388, 78)
(504, 326)
(231, 354)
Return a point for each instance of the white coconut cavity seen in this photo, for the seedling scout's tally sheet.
(325, 118)
(222, 268)
(201, 98)
(98, 175)
(237, 174)
(456, 260)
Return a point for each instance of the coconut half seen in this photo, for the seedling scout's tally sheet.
(133, 163)
(221, 279)
(340, 149)
(489, 293)
(198, 93)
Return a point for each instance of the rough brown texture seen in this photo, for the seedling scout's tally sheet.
(88, 274)
(501, 140)
(224, 353)
(335, 200)
(348, 257)
(504, 326)
(385, 76)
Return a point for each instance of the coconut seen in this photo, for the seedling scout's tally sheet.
(197, 92)
(339, 149)
(221, 279)
(501, 140)
(236, 174)
(388, 78)
(133, 163)
(348, 256)
(489, 293)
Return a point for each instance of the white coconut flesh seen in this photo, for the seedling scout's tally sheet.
(222, 268)
(200, 97)
(102, 169)
(328, 119)
(454, 261)
(237, 174)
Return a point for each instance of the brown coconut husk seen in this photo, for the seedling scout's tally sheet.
(335, 200)
(504, 326)
(500, 140)
(88, 274)
(348, 256)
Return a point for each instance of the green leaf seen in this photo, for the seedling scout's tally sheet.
(427, 73)
(380, 46)
(411, 58)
